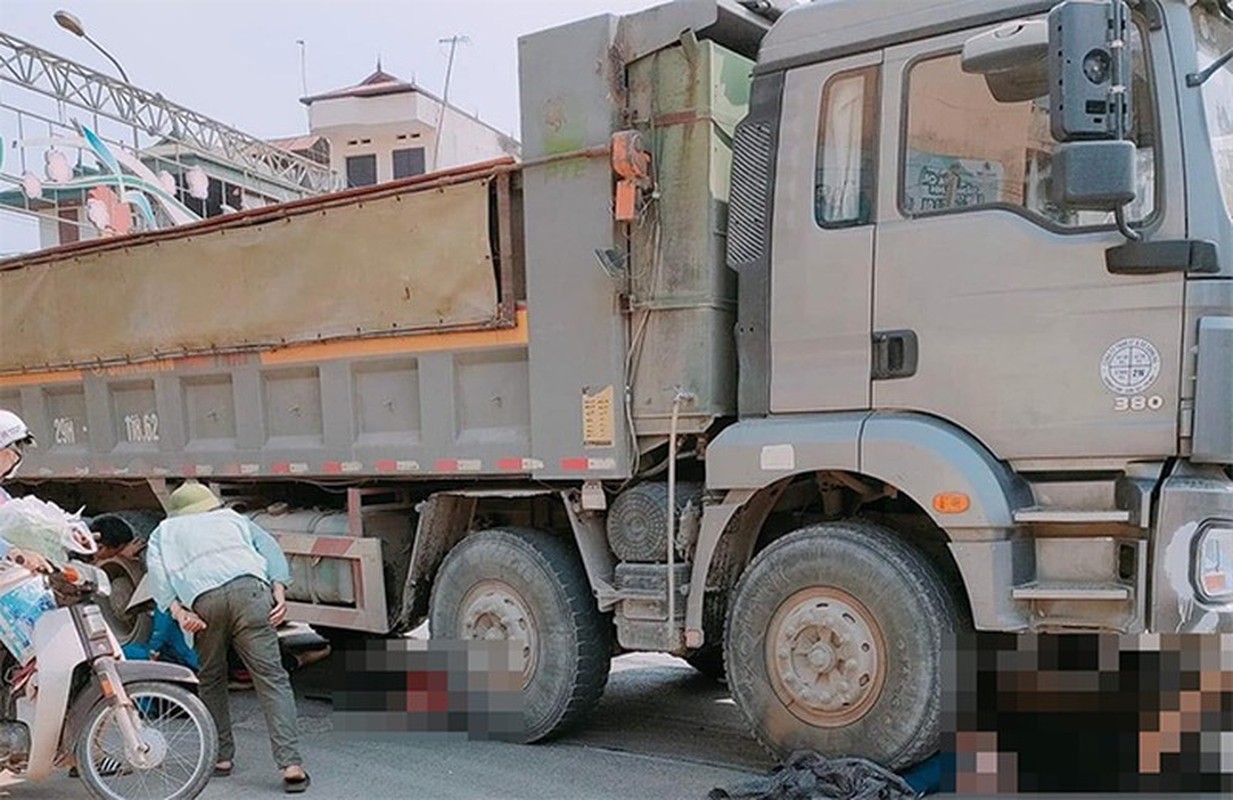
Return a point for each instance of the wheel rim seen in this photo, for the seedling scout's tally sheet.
(177, 750)
(826, 657)
(494, 611)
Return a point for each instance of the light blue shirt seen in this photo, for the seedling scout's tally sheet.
(195, 553)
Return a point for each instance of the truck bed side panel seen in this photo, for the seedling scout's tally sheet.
(402, 262)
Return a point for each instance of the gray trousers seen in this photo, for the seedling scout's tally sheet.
(237, 614)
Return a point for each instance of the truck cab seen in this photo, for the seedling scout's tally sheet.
(966, 318)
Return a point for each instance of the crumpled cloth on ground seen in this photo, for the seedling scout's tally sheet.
(809, 776)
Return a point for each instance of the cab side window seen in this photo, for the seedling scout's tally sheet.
(846, 157)
(965, 150)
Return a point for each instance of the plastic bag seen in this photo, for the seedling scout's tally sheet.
(42, 527)
(22, 602)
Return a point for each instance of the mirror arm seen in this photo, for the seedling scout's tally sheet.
(1119, 103)
(1196, 79)
(1123, 226)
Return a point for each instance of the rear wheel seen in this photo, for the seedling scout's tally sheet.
(834, 642)
(181, 740)
(528, 587)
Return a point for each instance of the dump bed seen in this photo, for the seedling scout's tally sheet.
(498, 320)
(372, 331)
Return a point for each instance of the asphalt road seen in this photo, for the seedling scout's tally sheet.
(661, 731)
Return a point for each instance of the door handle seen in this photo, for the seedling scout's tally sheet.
(1154, 258)
(895, 354)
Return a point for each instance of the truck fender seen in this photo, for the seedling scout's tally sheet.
(916, 454)
(925, 457)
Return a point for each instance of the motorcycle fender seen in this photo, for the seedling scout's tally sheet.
(130, 672)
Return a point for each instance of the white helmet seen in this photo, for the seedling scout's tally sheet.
(16, 434)
(13, 430)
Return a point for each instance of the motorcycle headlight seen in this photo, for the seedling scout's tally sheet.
(1213, 563)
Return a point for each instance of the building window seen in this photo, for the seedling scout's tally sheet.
(408, 162)
(847, 141)
(361, 170)
(965, 150)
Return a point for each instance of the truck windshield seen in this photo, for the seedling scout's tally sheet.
(1214, 36)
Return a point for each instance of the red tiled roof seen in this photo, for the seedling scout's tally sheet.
(378, 83)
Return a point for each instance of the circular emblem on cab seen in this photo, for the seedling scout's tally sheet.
(1130, 366)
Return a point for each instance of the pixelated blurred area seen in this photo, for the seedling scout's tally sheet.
(413, 686)
(1042, 713)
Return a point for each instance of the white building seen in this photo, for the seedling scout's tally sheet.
(385, 128)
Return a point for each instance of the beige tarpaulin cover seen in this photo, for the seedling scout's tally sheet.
(403, 262)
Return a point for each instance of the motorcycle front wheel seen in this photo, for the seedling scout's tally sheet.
(182, 746)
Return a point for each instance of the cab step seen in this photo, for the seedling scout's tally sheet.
(1073, 590)
(1038, 515)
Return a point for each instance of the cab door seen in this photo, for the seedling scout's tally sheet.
(1022, 336)
(822, 274)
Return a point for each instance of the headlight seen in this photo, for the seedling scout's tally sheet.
(93, 622)
(1213, 562)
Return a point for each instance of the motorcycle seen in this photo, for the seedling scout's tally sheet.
(132, 729)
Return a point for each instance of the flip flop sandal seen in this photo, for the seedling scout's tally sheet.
(296, 785)
(223, 772)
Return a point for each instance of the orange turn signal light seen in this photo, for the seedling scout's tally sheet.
(951, 503)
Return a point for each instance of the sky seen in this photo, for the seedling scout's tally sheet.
(239, 63)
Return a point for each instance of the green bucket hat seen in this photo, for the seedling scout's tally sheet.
(192, 498)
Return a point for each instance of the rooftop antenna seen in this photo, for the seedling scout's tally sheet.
(453, 42)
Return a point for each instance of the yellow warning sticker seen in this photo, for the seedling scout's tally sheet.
(598, 418)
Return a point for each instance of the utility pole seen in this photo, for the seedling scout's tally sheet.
(453, 42)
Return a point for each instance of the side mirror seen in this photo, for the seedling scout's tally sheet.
(1013, 59)
(1088, 65)
(1093, 176)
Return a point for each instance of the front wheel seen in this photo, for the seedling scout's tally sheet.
(182, 746)
(834, 644)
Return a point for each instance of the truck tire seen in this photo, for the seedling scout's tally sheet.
(834, 642)
(516, 583)
(128, 626)
(124, 573)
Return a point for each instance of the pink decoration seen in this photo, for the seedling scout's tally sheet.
(58, 168)
(31, 186)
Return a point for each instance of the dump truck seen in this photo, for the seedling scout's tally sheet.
(801, 340)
